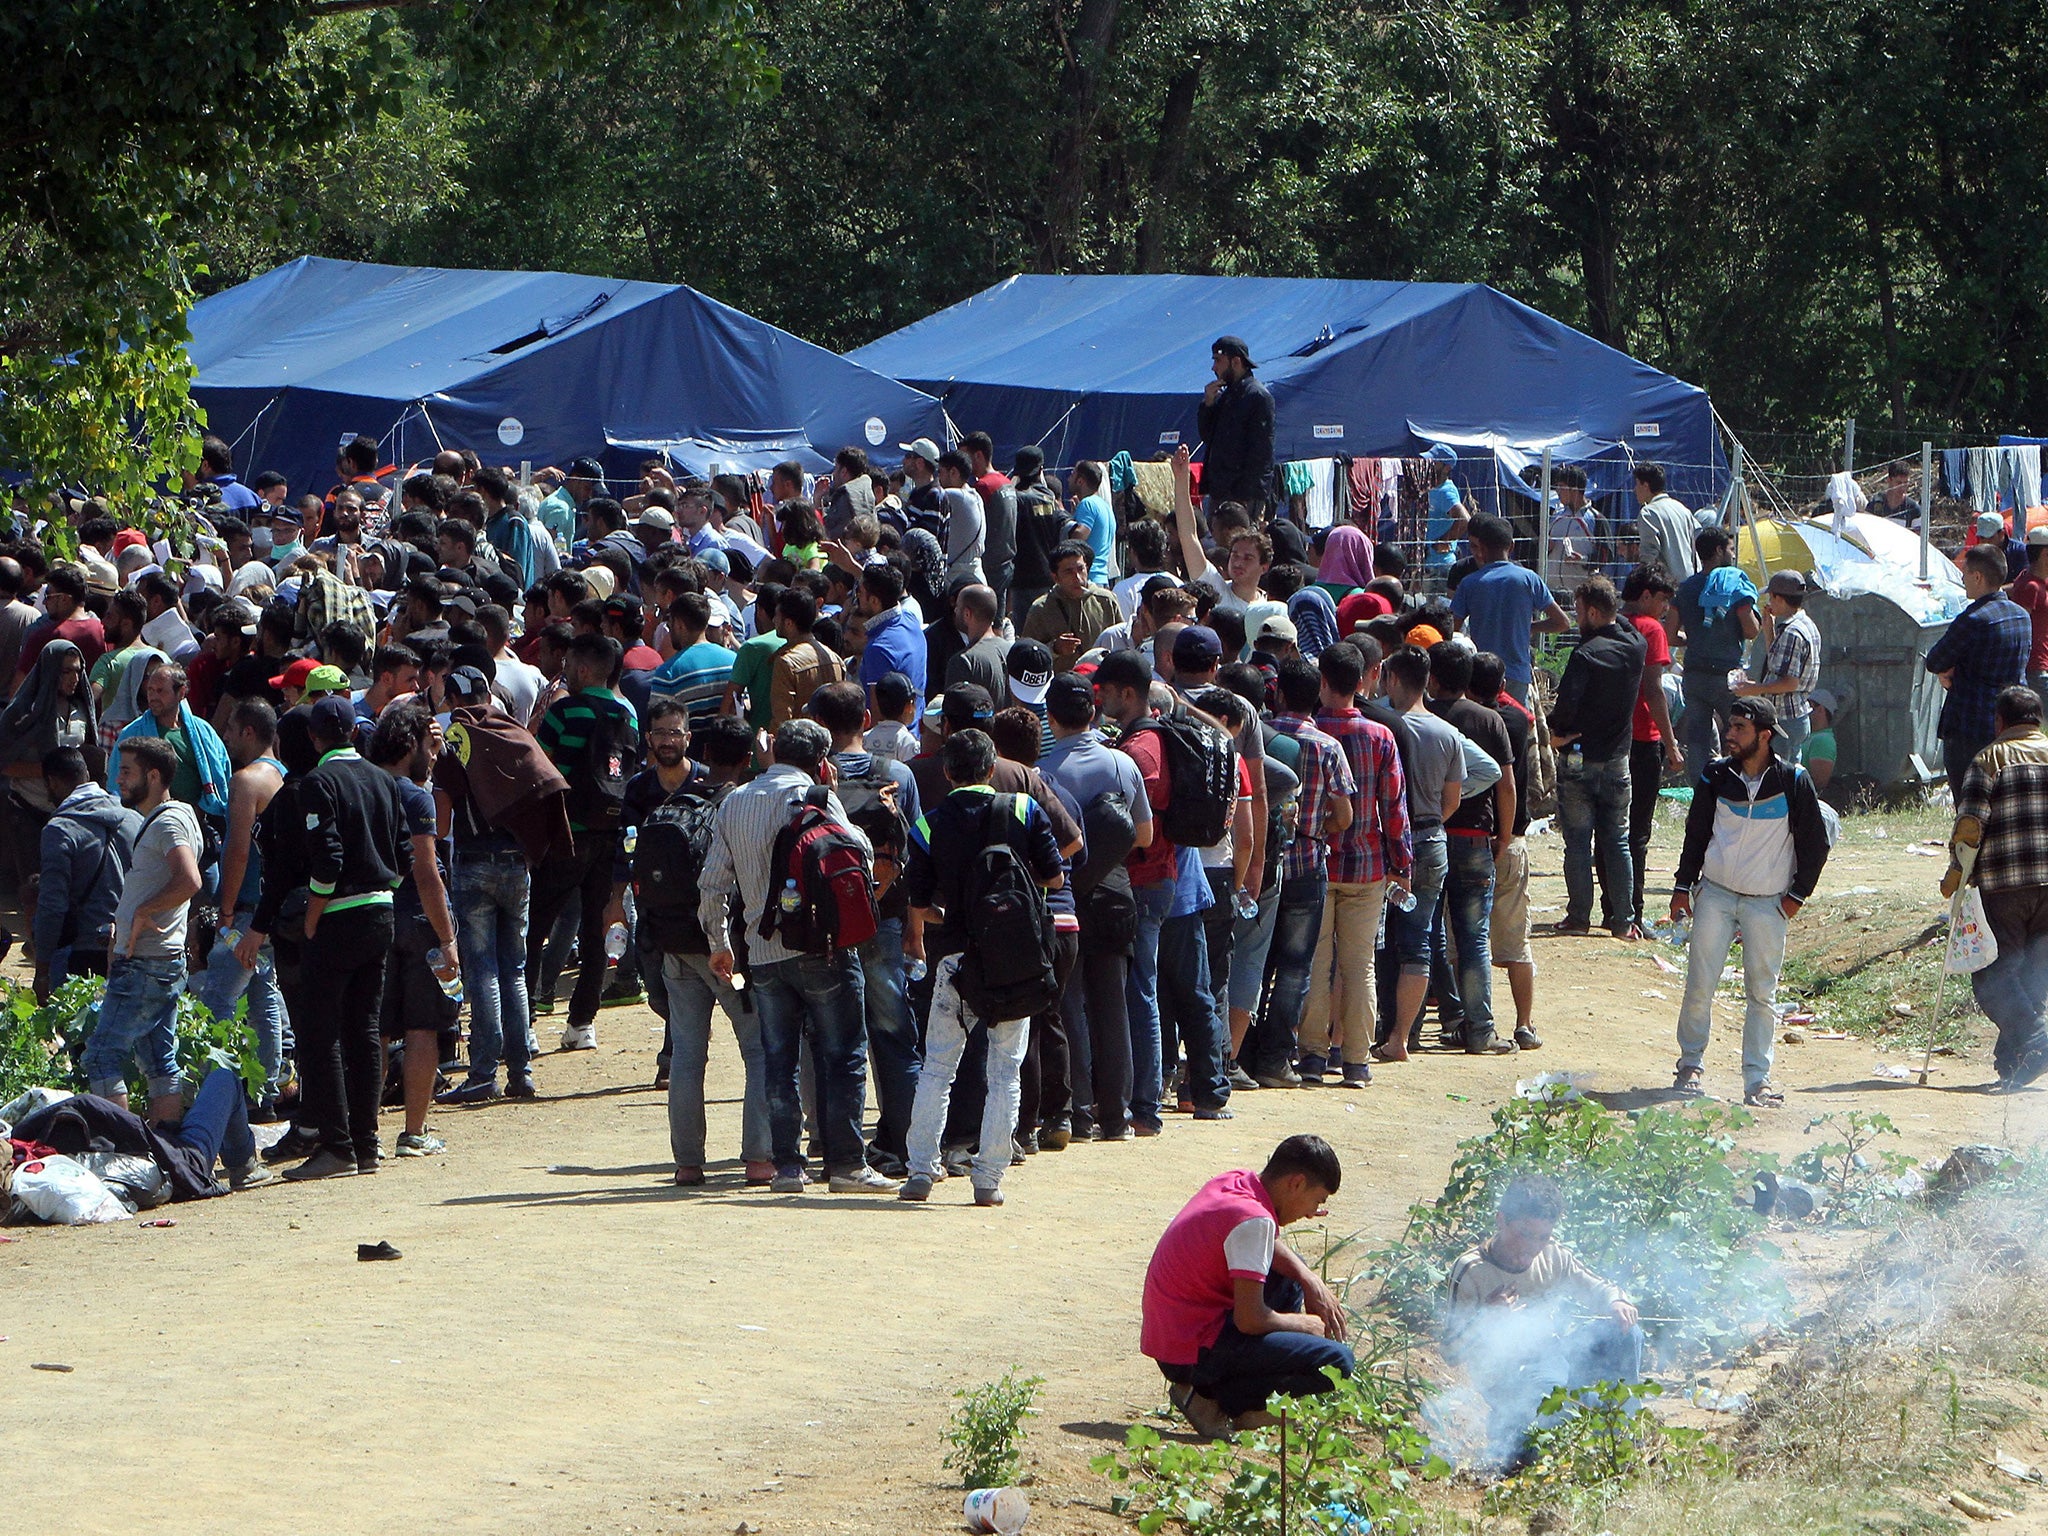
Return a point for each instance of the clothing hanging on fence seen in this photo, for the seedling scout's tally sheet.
(1364, 477)
(1846, 497)
(1154, 488)
(1295, 476)
(1319, 501)
(2019, 477)
(1983, 475)
(1955, 476)
(1122, 475)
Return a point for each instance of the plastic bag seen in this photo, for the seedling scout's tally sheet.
(1970, 944)
(135, 1180)
(14, 1111)
(65, 1194)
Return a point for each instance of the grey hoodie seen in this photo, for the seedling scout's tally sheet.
(87, 846)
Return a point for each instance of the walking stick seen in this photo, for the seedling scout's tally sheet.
(1955, 911)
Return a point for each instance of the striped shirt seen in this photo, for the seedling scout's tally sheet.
(697, 676)
(1377, 844)
(1324, 771)
(566, 732)
(742, 851)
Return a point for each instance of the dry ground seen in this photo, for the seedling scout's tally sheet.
(571, 1344)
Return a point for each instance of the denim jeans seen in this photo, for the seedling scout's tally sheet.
(217, 1124)
(138, 1015)
(945, 1043)
(1141, 994)
(1592, 810)
(1251, 940)
(223, 984)
(692, 989)
(1468, 910)
(1790, 736)
(492, 887)
(1717, 913)
(1707, 698)
(818, 998)
(1408, 932)
(1297, 922)
(1190, 1011)
(892, 1037)
(1241, 1370)
(2013, 989)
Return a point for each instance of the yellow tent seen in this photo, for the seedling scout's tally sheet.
(1783, 549)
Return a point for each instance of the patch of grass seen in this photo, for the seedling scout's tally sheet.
(1864, 994)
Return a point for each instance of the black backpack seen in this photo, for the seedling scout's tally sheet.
(668, 867)
(876, 818)
(1007, 970)
(1201, 774)
(1103, 899)
(611, 756)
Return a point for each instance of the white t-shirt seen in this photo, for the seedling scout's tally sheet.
(517, 686)
(1249, 1247)
(1226, 600)
(1128, 589)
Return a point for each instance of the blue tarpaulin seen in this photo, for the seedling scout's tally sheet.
(540, 366)
(1090, 366)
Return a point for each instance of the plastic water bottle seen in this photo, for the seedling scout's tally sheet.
(631, 840)
(916, 969)
(1246, 905)
(1401, 899)
(437, 962)
(791, 900)
(230, 939)
(615, 941)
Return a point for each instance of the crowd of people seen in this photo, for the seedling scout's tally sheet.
(959, 793)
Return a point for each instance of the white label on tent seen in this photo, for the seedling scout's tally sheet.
(1169, 439)
(1648, 429)
(877, 429)
(510, 431)
(1336, 431)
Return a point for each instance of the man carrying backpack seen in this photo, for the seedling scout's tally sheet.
(670, 811)
(593, 737)
(981, 860)
(783, 843)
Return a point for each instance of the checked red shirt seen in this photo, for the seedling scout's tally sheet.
(1376, 845)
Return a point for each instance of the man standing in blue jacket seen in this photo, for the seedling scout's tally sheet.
(1755, 842)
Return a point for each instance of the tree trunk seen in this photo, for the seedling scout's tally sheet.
(1168, 158)
(1888, 326)
(1087, 48)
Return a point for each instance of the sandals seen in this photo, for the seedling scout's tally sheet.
(1689, 1083)
(1765, 1095)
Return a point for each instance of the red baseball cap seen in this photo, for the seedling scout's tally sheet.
(295, 675)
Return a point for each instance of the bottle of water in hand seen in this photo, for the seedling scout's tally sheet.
(615, 938)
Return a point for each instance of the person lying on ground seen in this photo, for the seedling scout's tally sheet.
(1231, 1314)
(214, 1129)
(1525, 1315)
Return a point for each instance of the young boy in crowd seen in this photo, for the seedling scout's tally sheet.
(1525, 1315)
(1231, 1314)
(895, 704)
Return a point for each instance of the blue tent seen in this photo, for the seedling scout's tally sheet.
(540, 366)
(1089, 366)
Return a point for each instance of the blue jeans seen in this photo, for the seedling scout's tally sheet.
(491, 891)
(1189, 1011)
(1251, 940)
(691, 990)
(892, 1036)
(222, 984)
(1717, 914)
(1296, 925)
(138, 1015)
(1707, 698)
(945, 1045)
(1592, 810)
(1468, 910)
(821, 995)
(1408, 932)
(217, 1124)
(1241, 1370)
(1141, 996)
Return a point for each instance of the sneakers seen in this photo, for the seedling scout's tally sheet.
(988, 1197)
(1240, 1080)
(957, 1161)
(1218, 1113)
(1145, 1128)
(422, 1145)
(1021, 1149)
(322, 1165)
(294, 1144)
(616, 996)
(917, 1189)
(580, 1037)
(1115, 1133)
(1357, 1074)
(366, 1166)
(250, 1175)
(1286, 1077)
(1054, 1138)
(519, 1086)
(791, 1183)
(478, 1090)
(1492, 1047)
(1527, 1038)
(861, 1181)
(1203, 1414)
(1310, 1070)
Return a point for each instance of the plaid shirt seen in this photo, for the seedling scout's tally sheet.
(1988, 645)
(2006, 790)
(1376, 845)
(325, 599)
(1323, 771)
(1795, 653)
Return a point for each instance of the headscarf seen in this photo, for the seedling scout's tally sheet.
(28, 730)
(251, 573)
(927, 570)
(1315, 621)
(1347, 558)
(126, 702)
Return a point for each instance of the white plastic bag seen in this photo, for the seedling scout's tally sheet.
(65, 1194)
(1970, 944)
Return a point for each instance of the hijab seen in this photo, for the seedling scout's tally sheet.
(1315, 621)
(1347, 558)
(29, 727)
(927, 569)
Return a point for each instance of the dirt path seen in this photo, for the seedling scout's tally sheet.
(572, 1344)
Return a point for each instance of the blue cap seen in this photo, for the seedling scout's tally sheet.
(1442, 453)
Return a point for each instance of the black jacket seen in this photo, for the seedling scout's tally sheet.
(1596, 700)
(1237, 442)
(356, 837)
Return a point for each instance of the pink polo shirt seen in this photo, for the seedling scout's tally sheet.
(1223, 1235)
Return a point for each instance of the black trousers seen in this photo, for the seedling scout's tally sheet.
(1045, 1090)
(1645, 776)
(338, 1016)
(588, 871)
(1097, 1011)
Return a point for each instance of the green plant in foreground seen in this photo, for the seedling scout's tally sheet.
(1354, 1449)
(1857, 1173)
(1600, 1438)
(43, 1045)
(986, 1429)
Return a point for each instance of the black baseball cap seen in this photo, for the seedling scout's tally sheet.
(1029, 667)
(1071, 688)
(966, 704)
(334, 717)
(1195, 647)
(1233, 346)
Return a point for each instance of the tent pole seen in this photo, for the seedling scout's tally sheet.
(1745, 509)
(1926, 502)
(1849, 446)
(1543, 524)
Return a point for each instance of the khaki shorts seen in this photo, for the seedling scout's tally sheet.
(1510, 925)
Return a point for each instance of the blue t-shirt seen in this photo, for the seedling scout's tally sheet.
(894, 645)
(1502, 600)
(1098, 521)
(1444, 502)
